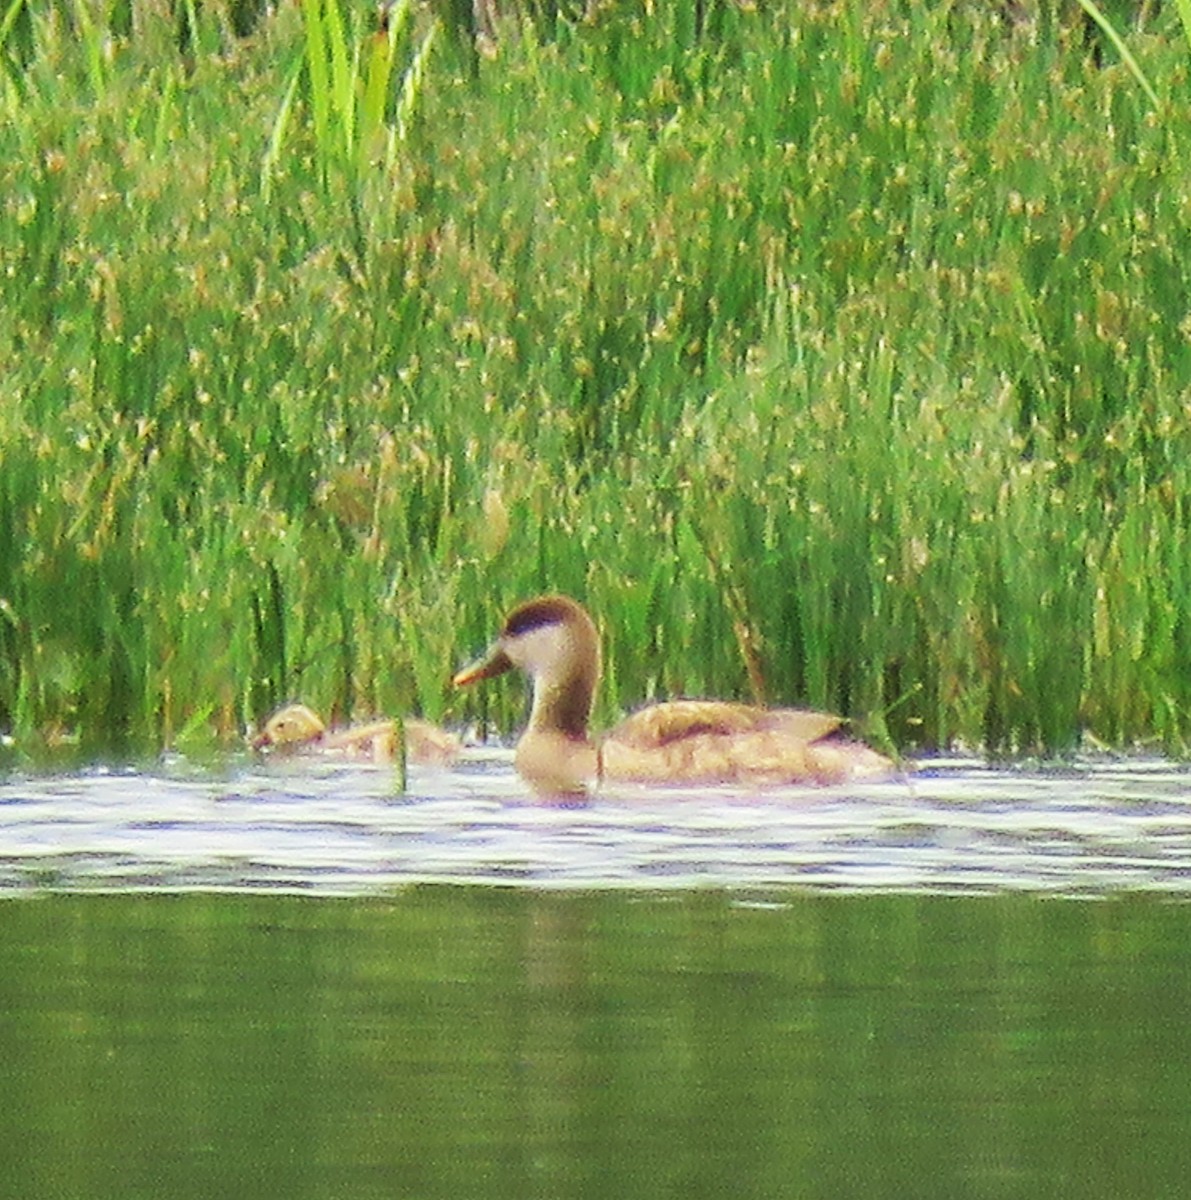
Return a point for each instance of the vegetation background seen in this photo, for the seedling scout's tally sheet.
(835, 353)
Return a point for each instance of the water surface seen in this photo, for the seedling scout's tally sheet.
(512, 1042)
(322, 828)
(300, 982)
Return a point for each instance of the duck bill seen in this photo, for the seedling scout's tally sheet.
(495, 662)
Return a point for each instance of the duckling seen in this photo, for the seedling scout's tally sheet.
(554, 641)
(297, 727)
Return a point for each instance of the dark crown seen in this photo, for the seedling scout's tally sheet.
(534, 614)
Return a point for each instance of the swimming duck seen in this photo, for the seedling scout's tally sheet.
(297, 727)
(554, 641)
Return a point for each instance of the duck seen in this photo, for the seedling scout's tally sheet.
(297, 728)
(554, 641)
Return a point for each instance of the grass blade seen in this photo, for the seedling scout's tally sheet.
(277, 135)
(318, 75)
(1184, 11)
(1126, 54)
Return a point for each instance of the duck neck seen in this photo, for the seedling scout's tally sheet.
(563, 704)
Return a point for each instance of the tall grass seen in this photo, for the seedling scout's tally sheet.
(835, 354)
(359, 117)
(1121, 48)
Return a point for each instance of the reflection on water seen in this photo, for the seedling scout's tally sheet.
(869, 991)
(954, 826)
(517, 1042)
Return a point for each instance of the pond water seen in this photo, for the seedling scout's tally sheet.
(298, 981)
(324, 828)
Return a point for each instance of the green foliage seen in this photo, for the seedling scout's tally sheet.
(834, 354)
(359, 120)
(1118, 44)
(1184, 10)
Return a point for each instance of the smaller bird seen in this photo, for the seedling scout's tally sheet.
(297, 728)
(554, 641)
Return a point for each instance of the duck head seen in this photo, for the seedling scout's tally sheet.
(554, 641)
(289, 727)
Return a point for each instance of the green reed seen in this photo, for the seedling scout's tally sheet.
(835, 354)
(1120, 46)
(1184, 10)
(359, 117)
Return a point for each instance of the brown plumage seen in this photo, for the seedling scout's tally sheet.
(298, 728)
(555, 642)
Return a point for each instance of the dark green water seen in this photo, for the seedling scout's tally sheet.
(473, 1041)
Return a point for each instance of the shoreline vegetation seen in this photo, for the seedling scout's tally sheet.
(838, 354)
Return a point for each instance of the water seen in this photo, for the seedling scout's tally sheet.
(296, 982)
(332, 829)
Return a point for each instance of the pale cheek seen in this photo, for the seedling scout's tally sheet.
(537, 650)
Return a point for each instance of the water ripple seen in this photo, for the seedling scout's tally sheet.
(954, 826)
